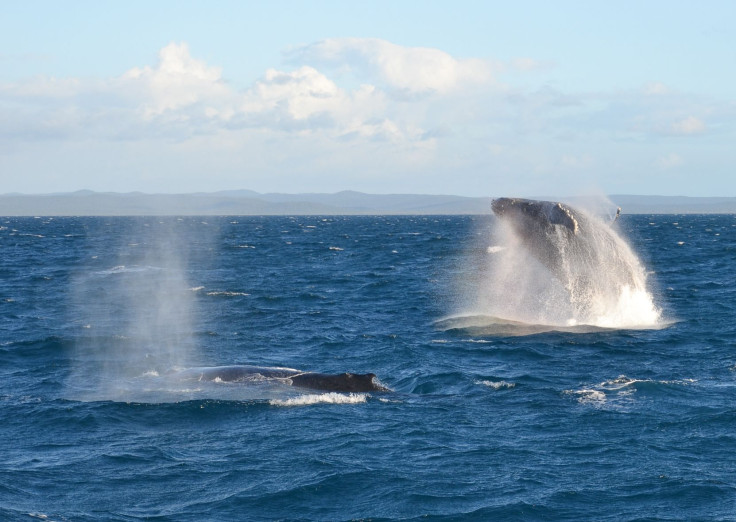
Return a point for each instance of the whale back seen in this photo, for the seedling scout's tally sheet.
(343, 382)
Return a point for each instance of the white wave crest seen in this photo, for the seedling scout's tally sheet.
(321, 398)
(594, 397)
(498, 385)
(622, 381)
(620, 390)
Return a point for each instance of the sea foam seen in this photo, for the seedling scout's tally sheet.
(321, 398)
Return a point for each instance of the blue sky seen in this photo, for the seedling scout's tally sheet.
(470, 98)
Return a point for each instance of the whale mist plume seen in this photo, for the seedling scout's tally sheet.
(133, 305)
(555, 265)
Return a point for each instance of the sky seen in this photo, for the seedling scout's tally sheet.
(487, 98)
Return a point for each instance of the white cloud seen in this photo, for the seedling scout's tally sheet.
(656, 89)
(414, 113)
(177, 81)
(657, 111)
(181, 96)
(689, 125)
(297, 95)
(579, 161)
(528, 64)
(415, 70)
(669, 161)
(307, 101)
(496, 149)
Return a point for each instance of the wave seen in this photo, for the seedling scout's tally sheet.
(497, 385)
(123, 269)
(321, 398)
(623, 389)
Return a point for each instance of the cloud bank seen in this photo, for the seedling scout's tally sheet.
(359, 113)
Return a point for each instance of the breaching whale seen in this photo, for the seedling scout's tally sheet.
(342, 382)
(576, 248)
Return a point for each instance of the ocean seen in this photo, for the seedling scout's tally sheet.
(507, 401)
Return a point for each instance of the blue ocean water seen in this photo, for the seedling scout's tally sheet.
(487, 420)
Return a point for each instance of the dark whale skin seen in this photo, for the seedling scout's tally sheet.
(556, 233)
(342, 382)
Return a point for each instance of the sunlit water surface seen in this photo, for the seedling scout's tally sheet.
(504, 405)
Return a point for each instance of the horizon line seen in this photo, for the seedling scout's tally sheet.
(343, 191)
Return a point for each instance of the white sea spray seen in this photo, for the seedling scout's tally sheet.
(609, 289)
(321, 398)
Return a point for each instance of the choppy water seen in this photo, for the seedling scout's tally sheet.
(489, 418)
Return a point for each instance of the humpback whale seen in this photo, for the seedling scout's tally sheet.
(583, 253)
(342, 382)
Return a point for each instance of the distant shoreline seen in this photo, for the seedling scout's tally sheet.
(249, 203)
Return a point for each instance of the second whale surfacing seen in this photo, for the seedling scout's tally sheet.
(342, 382)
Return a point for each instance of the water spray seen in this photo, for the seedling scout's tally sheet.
(557, 265)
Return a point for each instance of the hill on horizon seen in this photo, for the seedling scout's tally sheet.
(248, 202)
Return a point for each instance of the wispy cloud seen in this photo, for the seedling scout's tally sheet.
(413, 70)
(669, 161)
(365, 108)
(689, 125)
(181, 95)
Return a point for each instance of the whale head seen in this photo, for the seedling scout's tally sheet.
(528, 214)
(549, 230)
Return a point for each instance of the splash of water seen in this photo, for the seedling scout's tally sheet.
(321, 398)
(136, 307)
(599, 283)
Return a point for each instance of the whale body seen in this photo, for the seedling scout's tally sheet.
(342, 382)
(585, 254)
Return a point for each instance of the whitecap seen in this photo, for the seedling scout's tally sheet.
(620, 390)
(622, 381)
(497, 385)
(321, 398)
(588, 396)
